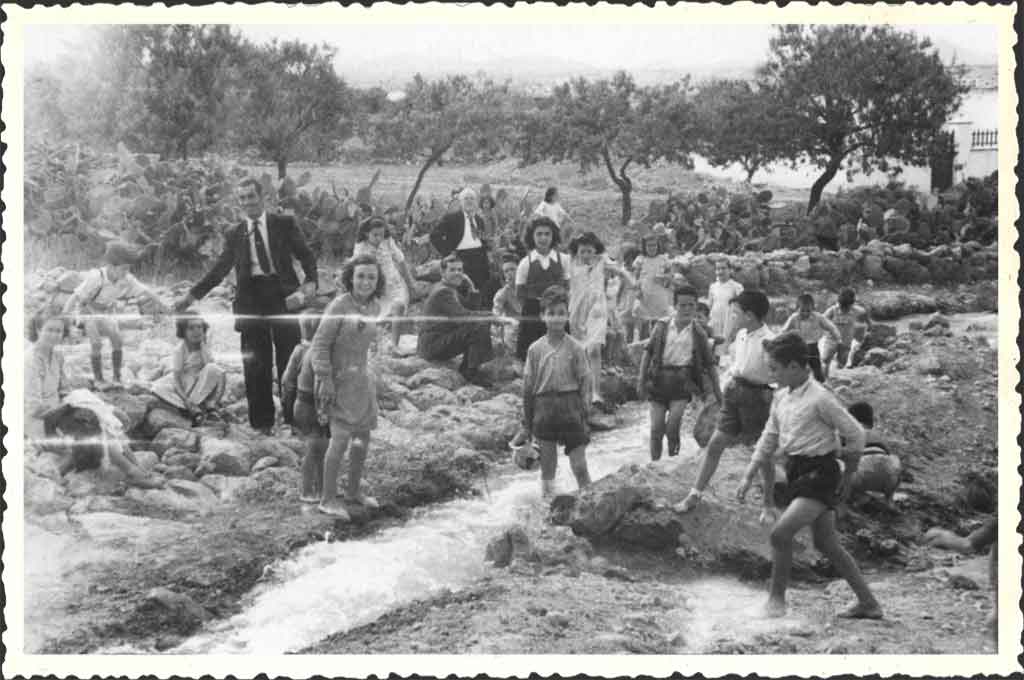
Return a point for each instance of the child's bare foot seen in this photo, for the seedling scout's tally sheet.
(688, 503)
(362, 499)
(774, 609)
(335, 508)
(862, 610)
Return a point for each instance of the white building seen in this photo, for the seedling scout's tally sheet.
(975, 131)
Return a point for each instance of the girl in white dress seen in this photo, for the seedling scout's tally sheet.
(722, 290)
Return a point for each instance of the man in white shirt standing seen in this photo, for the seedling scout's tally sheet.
(747, 397)
(462, 233)
(260, 249)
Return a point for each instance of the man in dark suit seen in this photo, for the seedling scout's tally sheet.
(462, 233)
(260, 249)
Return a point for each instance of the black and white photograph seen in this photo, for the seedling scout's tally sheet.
(639, 334)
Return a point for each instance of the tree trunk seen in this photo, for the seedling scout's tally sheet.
(183, 148)
(435, 158)
(819, 184)
(624, 184)
(627, 201)
(750, 172)
(282, 167)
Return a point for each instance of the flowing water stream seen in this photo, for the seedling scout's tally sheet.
(333, 587)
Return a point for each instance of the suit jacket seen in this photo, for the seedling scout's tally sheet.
(449, 232)
(285, 242)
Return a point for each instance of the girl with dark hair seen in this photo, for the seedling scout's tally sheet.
(346, 394)
(375, 239)
(196, 383)
(541, 268)
(588, 303)
(553, 210)
(45, 377)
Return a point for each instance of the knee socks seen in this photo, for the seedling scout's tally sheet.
(116, 357)
(97, 366)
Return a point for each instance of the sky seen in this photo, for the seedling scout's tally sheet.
(367, 53)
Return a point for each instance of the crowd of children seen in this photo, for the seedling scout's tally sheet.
(556, 311)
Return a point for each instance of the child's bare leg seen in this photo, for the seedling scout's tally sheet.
(720, 441)
(548, 465)
(827, 543)
(92, 331)
(397, 312)
(356, 464)
(329, 501)
(313, 469)
(116, 349)
(657, 429)
(136, 475)
(672, 424)
(594, 355)
(800, 513)
(578, 464)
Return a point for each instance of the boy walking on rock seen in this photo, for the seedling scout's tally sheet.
(802, 426)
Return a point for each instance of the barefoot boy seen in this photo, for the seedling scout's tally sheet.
(747, 396)
(556, 386)
(804, 421)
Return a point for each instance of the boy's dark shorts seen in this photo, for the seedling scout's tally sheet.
(560, 417)
(816, 477)
(305, 419)
(745, 410)
(672, 383)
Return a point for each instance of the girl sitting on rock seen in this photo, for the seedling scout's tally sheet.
(346, 394)
(374, 239)
(196, 383)
(91, 423)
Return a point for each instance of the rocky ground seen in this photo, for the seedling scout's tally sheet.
(108, 566)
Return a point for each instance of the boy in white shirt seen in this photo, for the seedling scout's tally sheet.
(805, 419)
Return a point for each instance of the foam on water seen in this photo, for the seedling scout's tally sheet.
(333, 587)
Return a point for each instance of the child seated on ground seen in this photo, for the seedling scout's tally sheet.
(986, 536)
(811, 326)
(879, 468)
(94, 299)
(556, 391)
(677, 366)
(195, 384)
(802, 426)
(507, 307)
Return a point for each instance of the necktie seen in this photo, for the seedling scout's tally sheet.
(261, 249)
(474, 229)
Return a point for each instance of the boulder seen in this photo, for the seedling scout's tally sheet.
(222, 456)
(404, 367)
(146, 459)
(284, 455)
(802, 266)
(436, 376)
(44, 496)
(235, 387)
(501, 370)
(937, 319)
(129, 408)
(228, 488)
(429, 271)
(511, 544)
(876, 356)
(431, 395)
(178, 457)
(183, 472)
(264, 463)
(175, 438)
(470, 394)
(179, 495)
(104, 481)
(160, 418)
(873, 267)
(929, 364)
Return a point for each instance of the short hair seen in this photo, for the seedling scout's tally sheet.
(120, 253)
(702, 308)
(487, 202)
(467, 192)
(723, 263)
(753, 301)
(556, 236)
(369, 224)
(787, 348)
(847, 297)
(182, 322)
(349, 270)
(805, 297)
(505, 261)
(550, 194)
(587, 238)
(553, 295)
(863, 413)
(40, 318)
(309, 321)
(83, 426)
(683, 290)
(448, 259)
(657, 241)
(252, 181)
